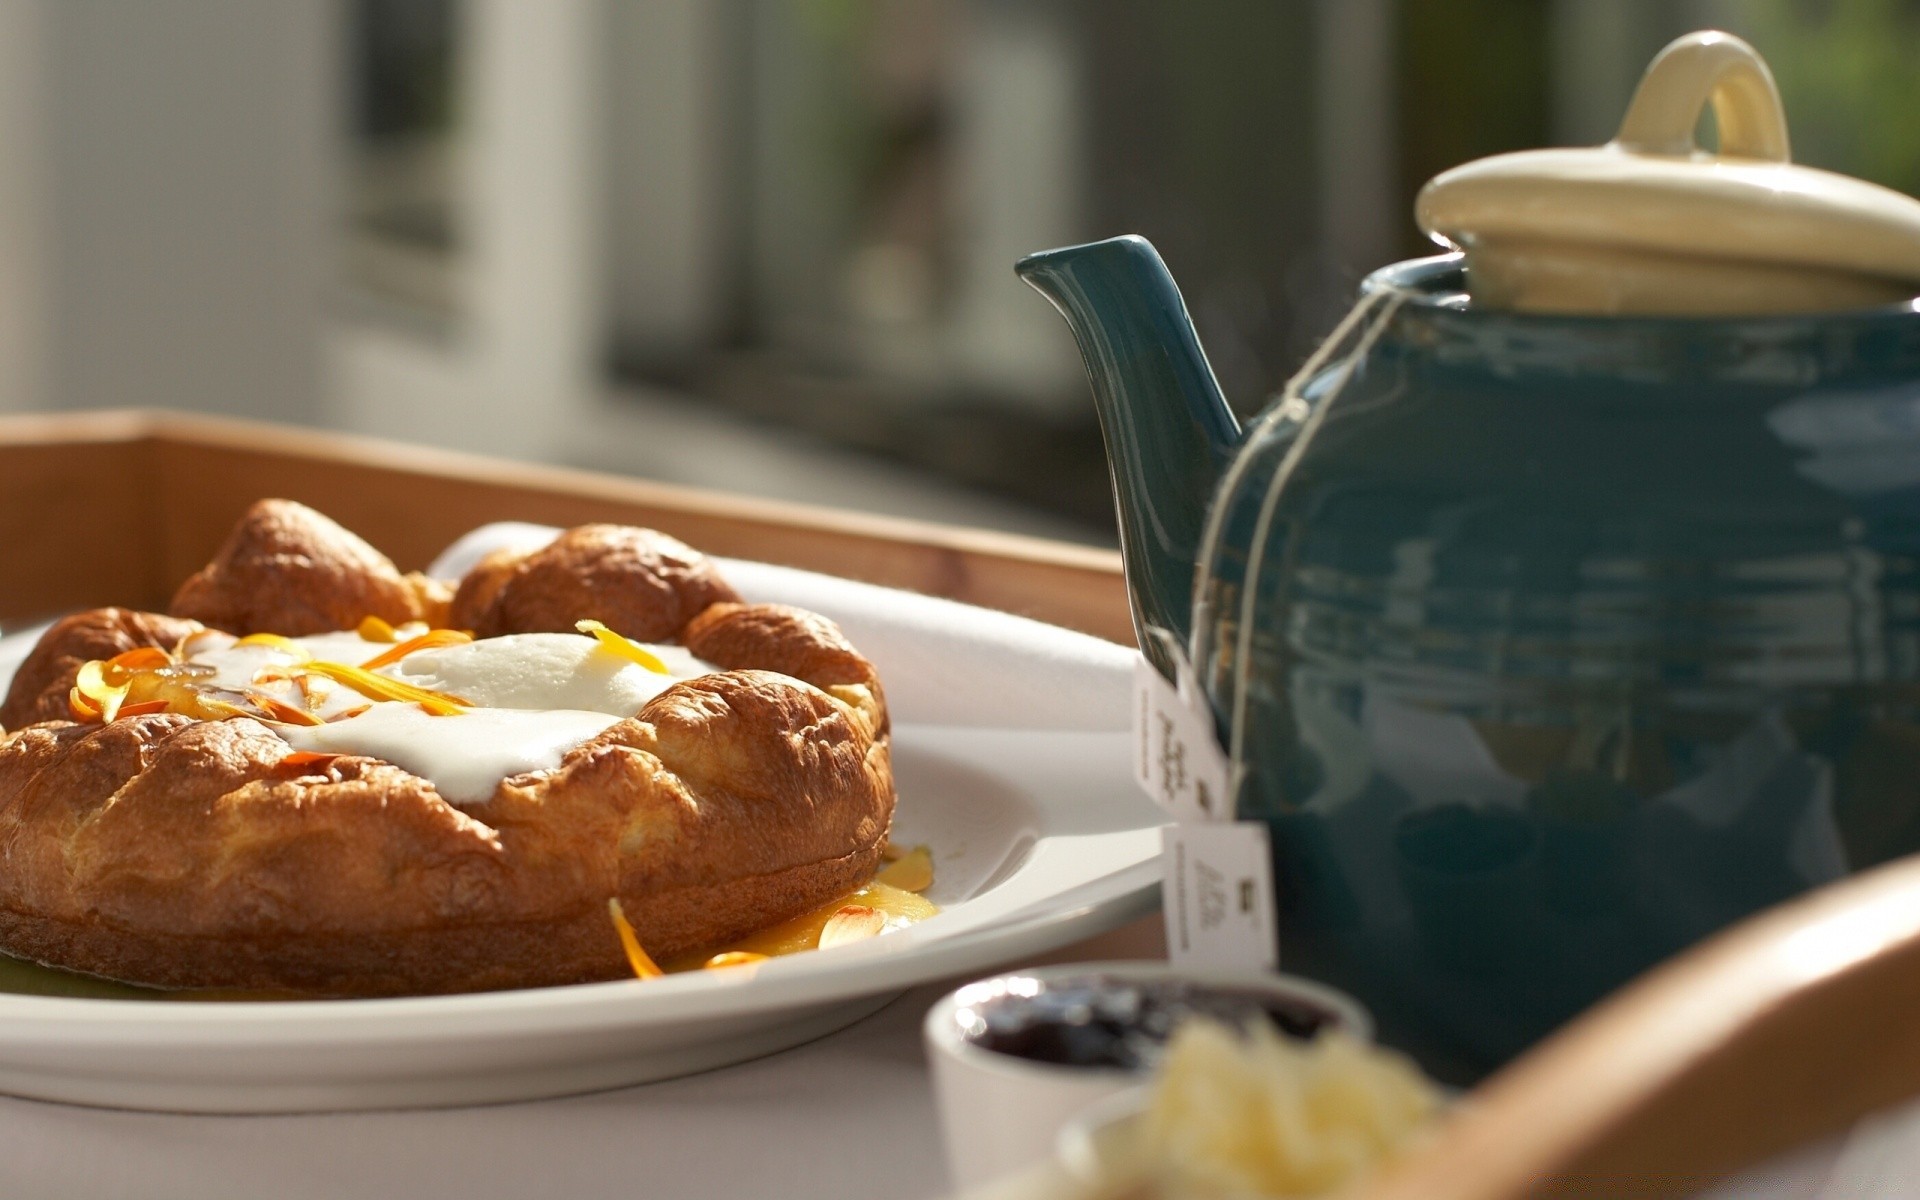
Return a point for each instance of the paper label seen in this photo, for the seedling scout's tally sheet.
(1219, 896)
(1177, 756)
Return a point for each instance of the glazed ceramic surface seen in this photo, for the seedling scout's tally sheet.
(1573, 639)
(1654, 224)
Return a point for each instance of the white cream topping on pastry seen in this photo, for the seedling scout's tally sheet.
(268, 669)
(545, 671)
(533, 697)
(464, 756)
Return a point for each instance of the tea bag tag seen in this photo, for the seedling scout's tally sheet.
(1219, 896)
(1177, 756)
(1218, 888)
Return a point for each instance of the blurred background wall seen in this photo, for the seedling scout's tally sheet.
(167, 184)
(766, 244)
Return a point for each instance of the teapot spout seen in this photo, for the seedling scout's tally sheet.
(1168, 430)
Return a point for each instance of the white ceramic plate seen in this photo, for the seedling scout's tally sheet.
(1039, 838)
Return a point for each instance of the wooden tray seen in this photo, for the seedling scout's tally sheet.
(1782, 1029)
(119, 507)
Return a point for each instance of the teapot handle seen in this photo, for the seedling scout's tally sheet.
(1697, 69)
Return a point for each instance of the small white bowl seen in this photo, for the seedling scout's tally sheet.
(1101, 1141)
(1000, 1112)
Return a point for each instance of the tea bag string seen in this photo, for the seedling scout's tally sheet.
(1289, 406)
(1370, 315)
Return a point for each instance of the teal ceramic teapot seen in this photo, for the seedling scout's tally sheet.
(1568, 607)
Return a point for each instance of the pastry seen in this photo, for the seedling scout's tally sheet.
(287, 569)
(291, 783)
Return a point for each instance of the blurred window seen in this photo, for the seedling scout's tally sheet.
(811, 208)
(402, 237)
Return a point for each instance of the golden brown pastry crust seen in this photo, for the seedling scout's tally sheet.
(638, 582)
(40, 686)
(779, 637)
(287, 569)
(167, 851)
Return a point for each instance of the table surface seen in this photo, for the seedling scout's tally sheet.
(849, 1115)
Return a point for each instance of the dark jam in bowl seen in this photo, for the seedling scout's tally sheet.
(1102, 1021)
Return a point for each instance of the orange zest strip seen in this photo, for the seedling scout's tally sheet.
(373, 629)
(144, 708)
(625, 647)
(184, 649)
(280, 710)
(853, 923)
(379, 687)
(91, 682)
(81, 707)
(426, 641)
(911, 871)
(285, 645)
(119, 670)
(733, 958)
(306, 758)
(643, 967)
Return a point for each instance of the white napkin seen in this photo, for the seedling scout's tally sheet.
(930, 652)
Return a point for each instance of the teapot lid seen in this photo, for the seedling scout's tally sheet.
(1651, 224)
